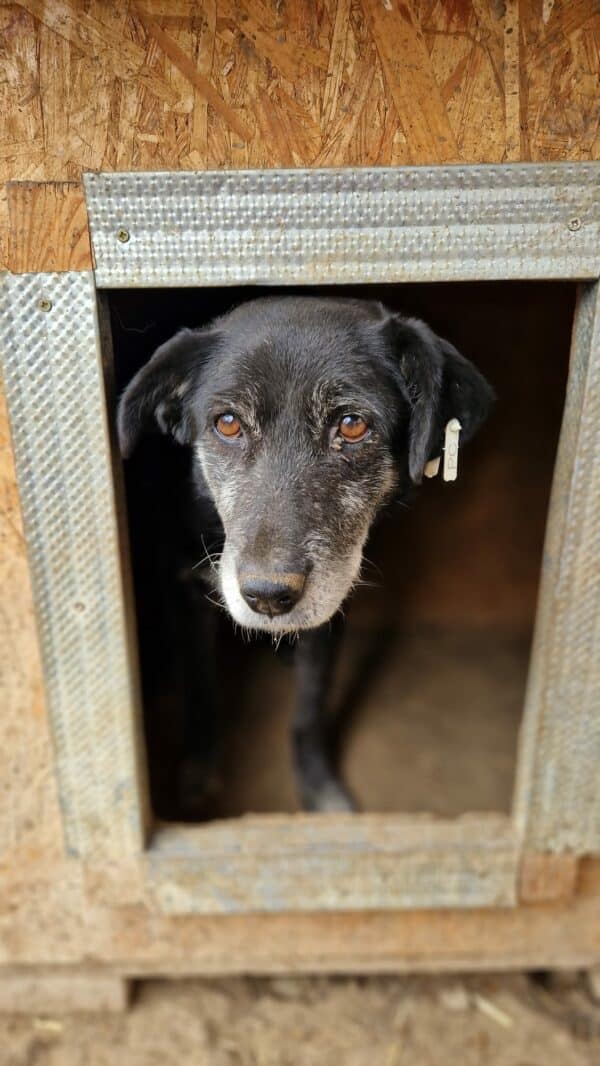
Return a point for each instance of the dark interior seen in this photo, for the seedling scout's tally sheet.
(429, 690)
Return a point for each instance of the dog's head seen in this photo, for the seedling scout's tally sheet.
(305, 416)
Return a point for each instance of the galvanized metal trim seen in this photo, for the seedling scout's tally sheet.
(54, 387)
(345, 862)
(456, 223)
(557, 799)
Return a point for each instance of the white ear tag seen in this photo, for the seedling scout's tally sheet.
(451, 450)
(432, 467)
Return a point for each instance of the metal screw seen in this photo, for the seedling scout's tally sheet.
(574, 224)
(123, 235)
(45, 304)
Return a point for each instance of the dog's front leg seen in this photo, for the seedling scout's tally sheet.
(320, 790)
(198, 772)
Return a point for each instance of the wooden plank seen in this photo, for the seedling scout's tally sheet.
(47, 915)
(56, 992)
(512, 82)
(544, 876)
(48, 227)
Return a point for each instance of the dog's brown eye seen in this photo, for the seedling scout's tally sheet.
(228, 426)
(353, 428)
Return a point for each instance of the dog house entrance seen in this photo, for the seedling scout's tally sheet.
(432, 678)
(430, 686)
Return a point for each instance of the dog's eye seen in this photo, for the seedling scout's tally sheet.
(228, 426)
(352, 428)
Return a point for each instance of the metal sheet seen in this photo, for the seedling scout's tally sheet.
(54, 387)
(558, 780)
(458, 223)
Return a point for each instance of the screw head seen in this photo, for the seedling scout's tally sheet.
(574, 224)
(123, 235)
(44, 304)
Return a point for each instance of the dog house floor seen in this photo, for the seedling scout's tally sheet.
(431, 681)
(428, 721)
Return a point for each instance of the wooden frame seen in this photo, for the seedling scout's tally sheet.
(300, 863)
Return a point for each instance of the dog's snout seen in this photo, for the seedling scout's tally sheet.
(272, 595)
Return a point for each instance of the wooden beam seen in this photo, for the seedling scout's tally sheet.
(546, 877)
(47, 227)
(48, 991)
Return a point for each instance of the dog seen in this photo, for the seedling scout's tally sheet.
(305, 417)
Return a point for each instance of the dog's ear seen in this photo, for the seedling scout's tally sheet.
(438, 384)
(160, 392)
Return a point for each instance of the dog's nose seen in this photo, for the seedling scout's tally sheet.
(274, 595)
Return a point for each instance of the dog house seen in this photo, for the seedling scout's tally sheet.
(99, 885)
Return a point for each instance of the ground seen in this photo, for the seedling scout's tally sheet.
(378, 1021)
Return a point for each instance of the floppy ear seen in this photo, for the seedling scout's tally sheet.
(160, 393)
(439, 384)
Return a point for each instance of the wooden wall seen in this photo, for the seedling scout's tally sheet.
(92, 84)
(190, 84)
(193, 84)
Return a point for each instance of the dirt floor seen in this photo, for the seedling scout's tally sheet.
(496, 1021)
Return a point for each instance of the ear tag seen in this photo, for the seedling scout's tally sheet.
(453, 428)
(432, 467)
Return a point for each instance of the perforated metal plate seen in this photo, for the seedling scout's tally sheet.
(334, 226)
(54, 386)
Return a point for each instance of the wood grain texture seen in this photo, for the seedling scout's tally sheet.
(91, 85)
(545, 876)
(194, 84)
(52, 915)
(47, 227)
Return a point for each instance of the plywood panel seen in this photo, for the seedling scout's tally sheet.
(189, 84)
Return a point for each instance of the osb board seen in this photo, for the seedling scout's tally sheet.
(191, 84)
(54, 921)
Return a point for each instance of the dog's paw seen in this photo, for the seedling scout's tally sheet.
(330, 798)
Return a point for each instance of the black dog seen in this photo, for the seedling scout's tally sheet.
(306, 416)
